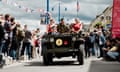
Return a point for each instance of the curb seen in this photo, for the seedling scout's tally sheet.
(18, 63)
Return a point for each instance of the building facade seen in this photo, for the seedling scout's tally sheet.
(105, 18)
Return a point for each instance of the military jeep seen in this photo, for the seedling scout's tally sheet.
(61, 45)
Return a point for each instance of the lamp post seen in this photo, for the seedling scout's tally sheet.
(59, 12)
(47, 18)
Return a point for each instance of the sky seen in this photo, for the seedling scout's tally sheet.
(87, 12)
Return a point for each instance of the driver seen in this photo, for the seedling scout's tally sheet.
(62, 28)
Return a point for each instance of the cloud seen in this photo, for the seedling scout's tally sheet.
(88, 9)
(89, 1)
(97, 1)
(87, 12)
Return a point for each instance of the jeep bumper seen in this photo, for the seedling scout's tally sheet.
(63, 50)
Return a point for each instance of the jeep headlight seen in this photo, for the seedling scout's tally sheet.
(74, 38)
(59, 42)
(51, 39)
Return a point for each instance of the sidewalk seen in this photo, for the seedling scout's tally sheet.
(10, 63)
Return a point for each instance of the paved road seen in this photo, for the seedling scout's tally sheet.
(60, 65)
(103, 66)
(91, 64)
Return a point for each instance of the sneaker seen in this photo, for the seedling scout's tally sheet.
(99, 56)
(21, 58)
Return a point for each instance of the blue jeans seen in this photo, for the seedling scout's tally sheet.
(2, 44)
(113, 55)
(13, 54)
(27, 47)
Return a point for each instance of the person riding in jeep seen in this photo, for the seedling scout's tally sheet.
(62, 28)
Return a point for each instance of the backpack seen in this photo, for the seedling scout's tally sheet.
(20, 34)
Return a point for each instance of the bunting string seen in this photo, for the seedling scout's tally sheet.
(26, 9)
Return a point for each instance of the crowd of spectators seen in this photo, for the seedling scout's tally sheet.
(16, 40)
(100, 43)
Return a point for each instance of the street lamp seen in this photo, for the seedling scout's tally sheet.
(47, 18)
(59, 7)
(59, 10)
